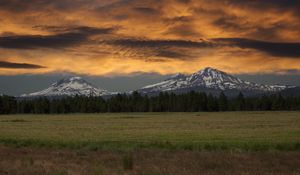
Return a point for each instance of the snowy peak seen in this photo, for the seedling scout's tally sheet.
(70, 87)
(208, 78)
(209, 70)
(210, 75)
(178, 76)
(73, 82)
(213, 78)
(75, 78)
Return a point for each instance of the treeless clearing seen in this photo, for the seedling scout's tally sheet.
(192, 131)
(151, 143)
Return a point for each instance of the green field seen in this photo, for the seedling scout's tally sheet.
(190, 131)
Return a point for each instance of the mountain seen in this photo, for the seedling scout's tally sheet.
(291, 92)
(210, 80)
(70, 87)
(207, 80)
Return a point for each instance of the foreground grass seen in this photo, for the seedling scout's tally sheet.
(38, 161)
(253, 131)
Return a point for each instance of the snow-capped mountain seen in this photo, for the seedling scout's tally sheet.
(208, 79)
(70, 87)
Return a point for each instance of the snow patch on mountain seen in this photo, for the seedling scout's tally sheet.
(70, 87)
(209, 78)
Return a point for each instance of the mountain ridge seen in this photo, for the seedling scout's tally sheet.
(210, 79)
(70, 87)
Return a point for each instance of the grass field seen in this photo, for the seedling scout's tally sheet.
(256, 131)
(37, 161)
(151, 143)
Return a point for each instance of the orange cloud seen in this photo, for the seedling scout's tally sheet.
(101, 37)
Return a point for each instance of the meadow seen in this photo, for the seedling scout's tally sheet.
(151, 143)
(254, 131)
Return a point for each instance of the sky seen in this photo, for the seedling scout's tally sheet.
(118, 40)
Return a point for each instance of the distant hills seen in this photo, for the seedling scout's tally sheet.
(208, 80)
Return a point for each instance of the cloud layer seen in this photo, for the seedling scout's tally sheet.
(69, 38)
(108, 37)
(10, 65)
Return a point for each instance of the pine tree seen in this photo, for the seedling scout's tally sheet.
(212, 103)
(1, 106)
(240, 102)
(223, 102)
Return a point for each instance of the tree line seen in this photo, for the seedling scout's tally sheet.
(135, 102)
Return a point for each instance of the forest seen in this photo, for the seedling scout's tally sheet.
(135, 102)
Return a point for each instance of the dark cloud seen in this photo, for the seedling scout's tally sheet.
(77, 29)
(30, 5)
(70, 37)
(18, 6)
(229, 23)
(181, 26)
(279, 49)
(121, 17)
(184, 1)
(135, 43)
(37, 41)
(173, 48)
(183, 31)
(172, 54)
(266, 33)
(10, 65)
(155, 50)
(239, 25)
(179, 19)
(146, 10)
(281, 5)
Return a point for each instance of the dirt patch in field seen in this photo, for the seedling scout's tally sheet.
(33, 161)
